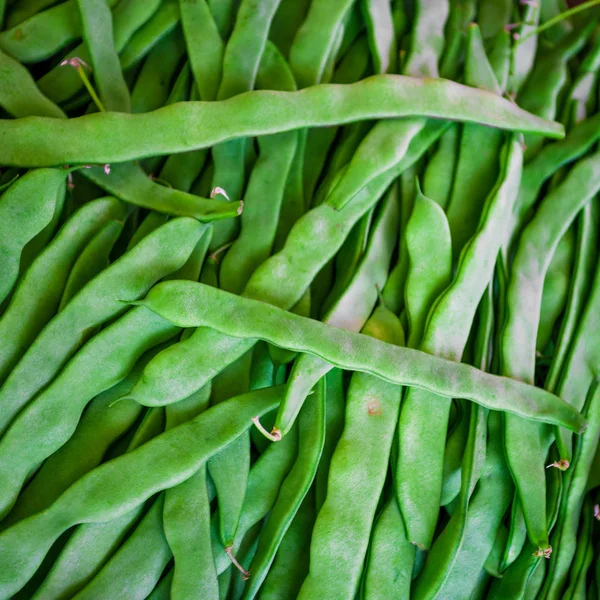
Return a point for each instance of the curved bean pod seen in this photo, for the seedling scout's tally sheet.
(38, 294)
(137, 565)
(350, 312)
(421, 447)
(19, 95)
(311, 427)
(360, 462)
(536, 247)
(427, 235)
(93, 259)
(129, 183)
(119, 346)
(99, 496)
(92, 544)
(38, 141)
(25, 209)
(194, 304)
(159, 254)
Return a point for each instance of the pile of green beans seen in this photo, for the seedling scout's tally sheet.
(299, 299)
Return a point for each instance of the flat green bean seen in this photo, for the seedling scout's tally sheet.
(93, 259)
(100, 496)
(25, 209)
(129, 183)
(136, 567)
(193, 305)
(38, 141)
(37, 295)
(157, 255)
(19, 95)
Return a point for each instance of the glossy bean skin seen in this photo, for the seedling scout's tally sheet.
(330, 228)
(135, 568)
(129, 183)
(162, 591)
(37, 295)
(255, 113)
(311, 431)
(99, 495)
(349, 312)
(360, 462)
(535, 249)
(19, 95)
(439, 172)
(159, 254)
(97, 33)
(416, 423)
(25, 209)
(194, 305)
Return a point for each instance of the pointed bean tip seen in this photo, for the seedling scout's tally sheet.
(240, 207)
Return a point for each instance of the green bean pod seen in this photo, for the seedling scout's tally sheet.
(129, 183)
(446, 335)
(25, 209)
(290, 567)
(194, 305)
(97, 32)
(360, 462)
(350, 312)
(119, 346)
(427, 234)
(536, 247)
(92, 544)
(311, 426)
(93, 259)
(37, 295)
(297, 264)
(99, 495)
(137, 566)
(19, 95)
(159, 254)
(39, 141)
